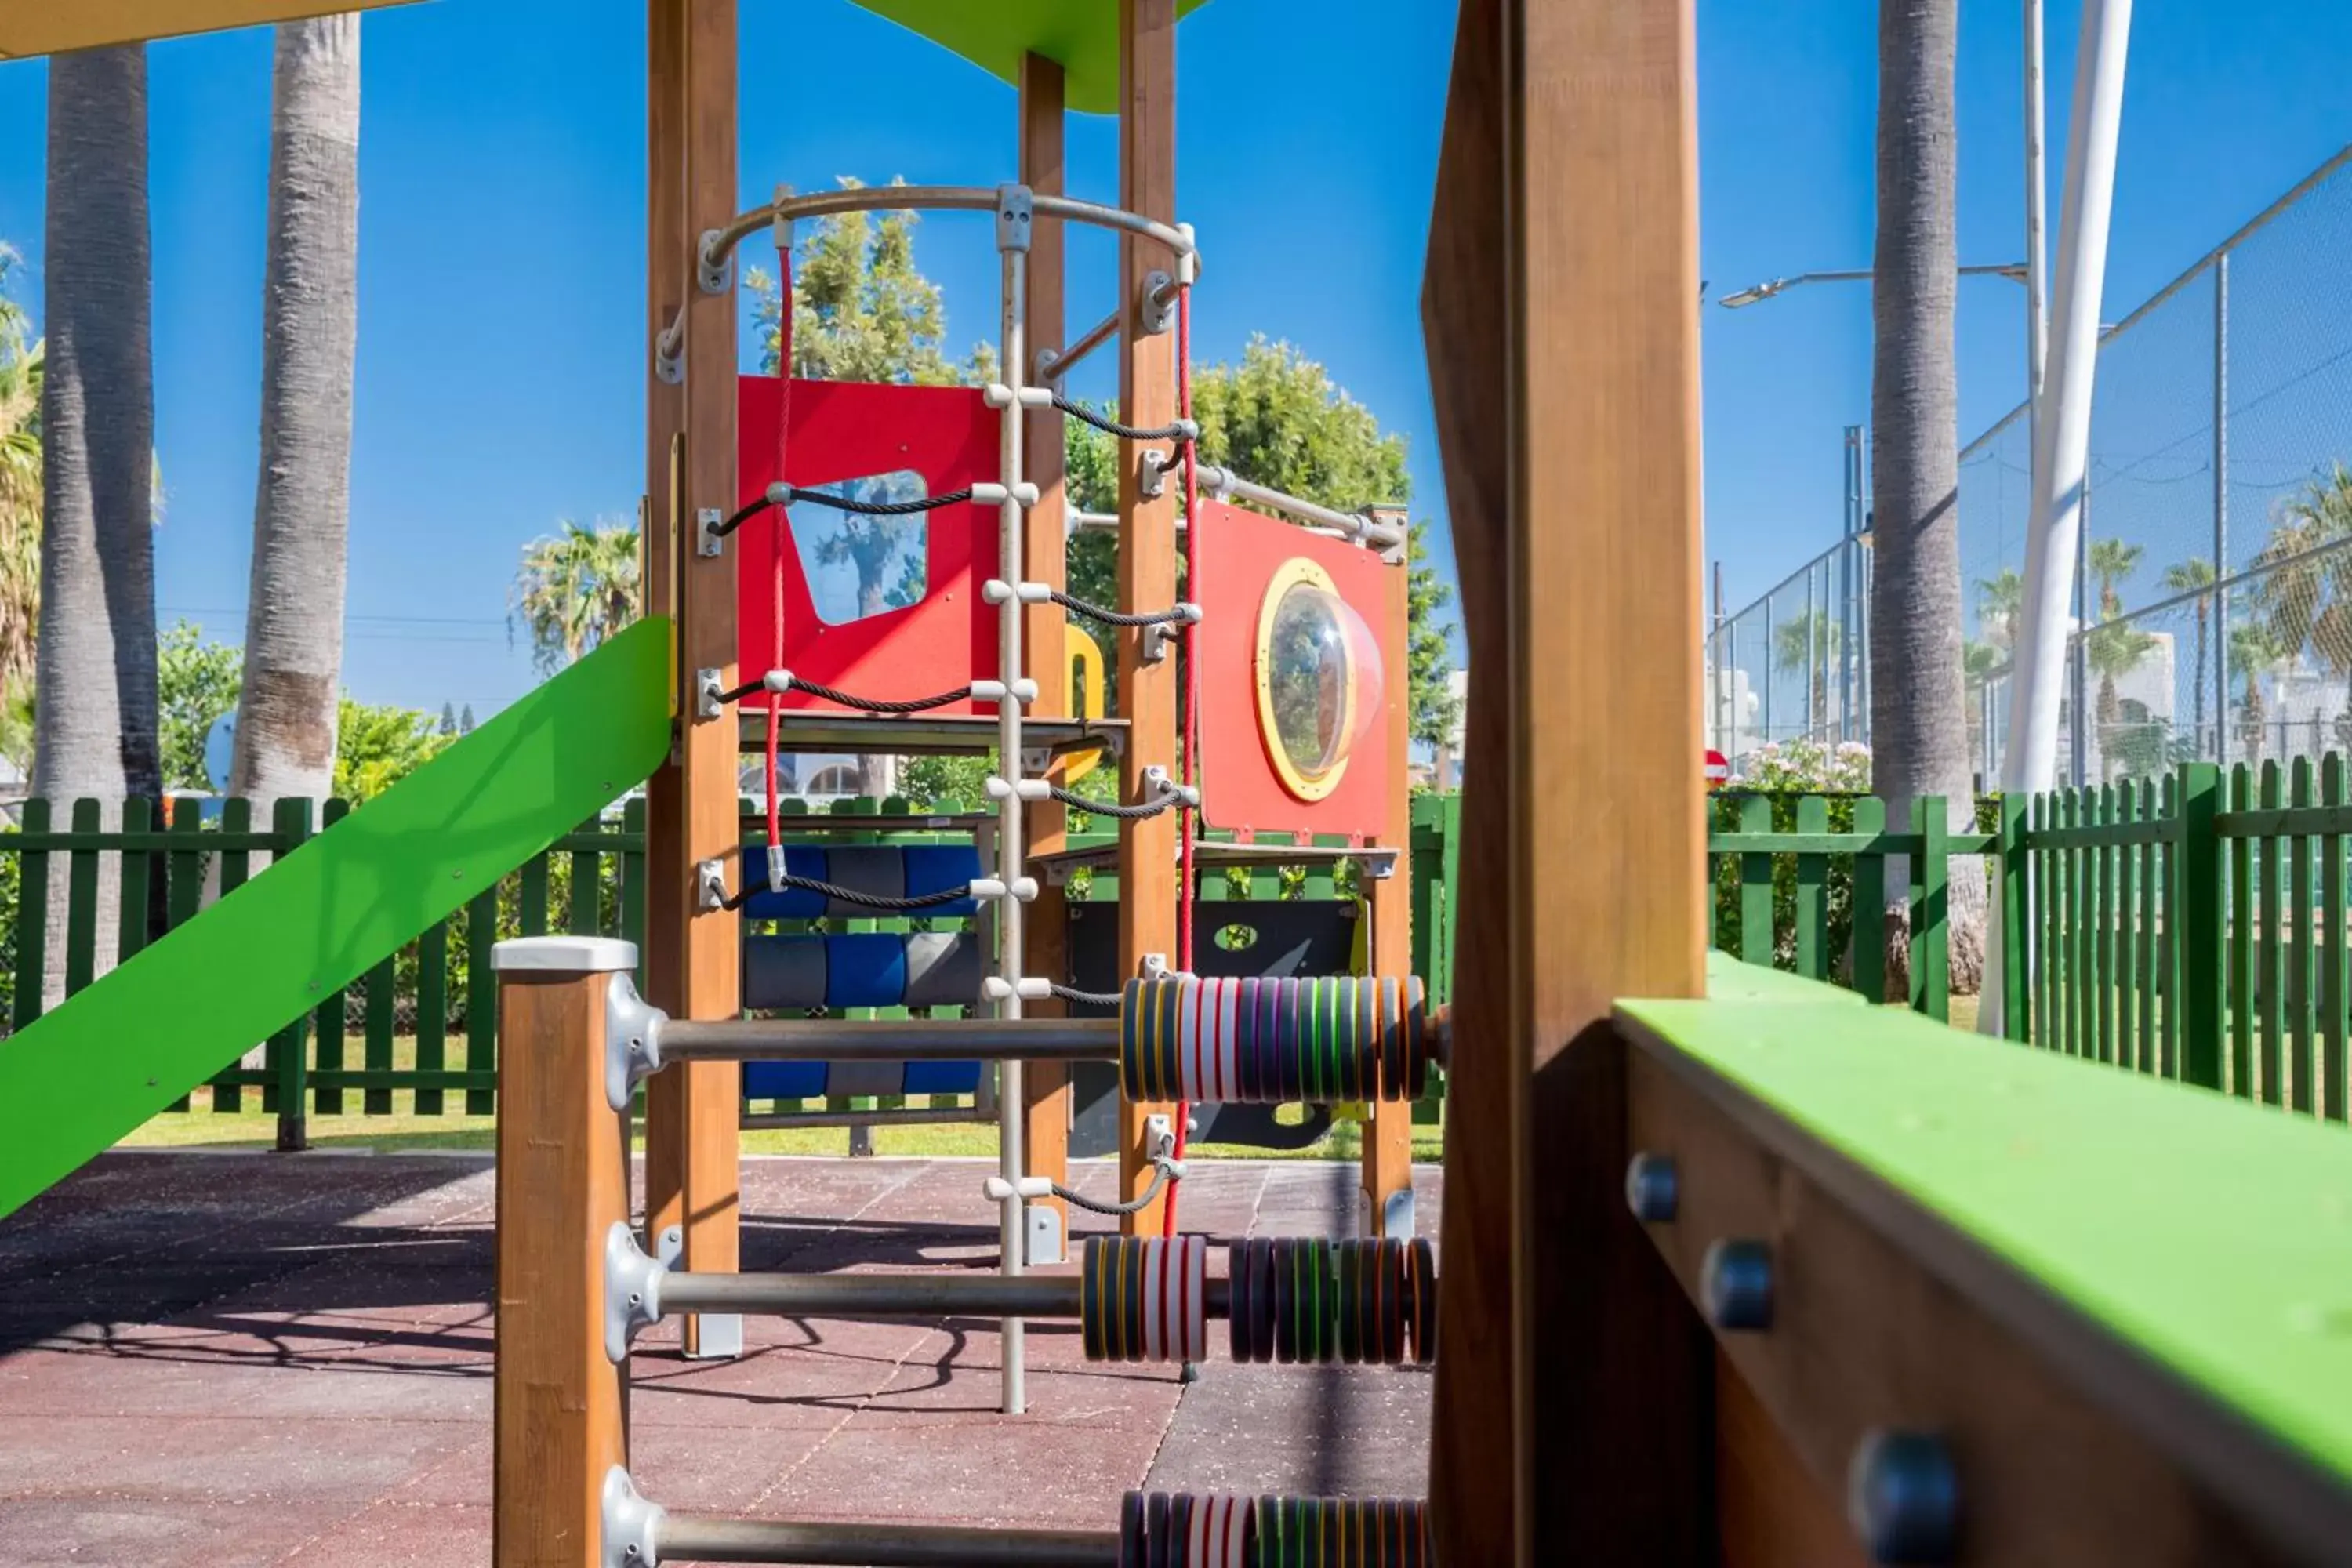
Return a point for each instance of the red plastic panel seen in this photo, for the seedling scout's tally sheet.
(847, 430)
(1241, 553)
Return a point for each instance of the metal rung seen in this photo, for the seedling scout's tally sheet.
(891, 1039)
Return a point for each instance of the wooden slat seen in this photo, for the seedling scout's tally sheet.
(1477, 1476)
(481, 995)
(2241, 948)
(288, 1092)
(1045, 1134)
(327, 1097)
(692, 1111)
(1147, 533)
(237, 817)
(2269, 874)
(81, 895)
(562, 1184)
(1869, 903)
(432, 1011)
(1757, 937)
(1812, 893)
(2335, 950)
(2301, 968)
(33, 894)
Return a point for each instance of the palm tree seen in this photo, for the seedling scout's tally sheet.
(576, 589)
(2195, 575)
(1810, 643)
(301, 511)
(1918, 697)
(2305, 593)
(2113, 650)
(95, 708)
(2001, 599)
(2252, 655)
(20, 496)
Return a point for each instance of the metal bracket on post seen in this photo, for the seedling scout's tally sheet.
(708, 541)
(1155, 966)
(633, 1284)
(714, 277)
(1155, 307)
(632, 1041)
(1158, 1138)
(709, 885)
(1014, 213)
(1397, 1215)
(632, 1525)
(708, 702)
(1045, 1242)
(1154, 642)
(1151, 482)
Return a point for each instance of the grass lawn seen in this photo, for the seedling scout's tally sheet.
(404, 1130)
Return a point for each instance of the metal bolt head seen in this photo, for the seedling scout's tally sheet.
(1736, 1284)
(1903, 1497)
(1653, 1188)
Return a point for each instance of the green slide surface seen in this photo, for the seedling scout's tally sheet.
(79, 1078)
(2211, 1233)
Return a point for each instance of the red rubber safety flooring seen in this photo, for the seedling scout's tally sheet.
(230, 1359)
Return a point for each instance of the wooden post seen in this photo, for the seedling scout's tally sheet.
(691, 1112)
(1561, 313)
(1146, 532)
(1046, 1084)
(562, 1184)
(1388, 1140)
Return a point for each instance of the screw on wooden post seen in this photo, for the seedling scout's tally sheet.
(562, 1182)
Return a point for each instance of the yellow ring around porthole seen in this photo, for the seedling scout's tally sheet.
(1304, 780)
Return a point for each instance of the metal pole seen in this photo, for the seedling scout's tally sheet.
(699, 1538)
(2217, 636)
(1813, 660)
(2062, 433)
(874, 1295)
(2036, 194)
(1766, 662)
(1013, 241)
(2080, 670)
(889, 1040)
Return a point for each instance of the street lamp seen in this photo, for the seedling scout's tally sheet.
(2014, 270)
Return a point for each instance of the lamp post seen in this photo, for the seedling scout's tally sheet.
(2016, 271)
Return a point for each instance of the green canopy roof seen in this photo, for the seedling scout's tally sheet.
(1083, 35)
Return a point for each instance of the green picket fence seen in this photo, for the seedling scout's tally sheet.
(408, 1036)
(2195, 927)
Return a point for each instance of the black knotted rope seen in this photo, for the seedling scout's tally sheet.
(1179, 431)
(851, 896)
(1119, 617)
(863, 704)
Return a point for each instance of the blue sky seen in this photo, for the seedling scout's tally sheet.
(502, 245)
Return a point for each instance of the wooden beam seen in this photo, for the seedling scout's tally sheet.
(1387, 1142)
(1146, 532)
(1046, 1138)
(562, 1184)
(26, 30)
(1607, 889)
(692, 1111)
(1561, 312)
(1474, 1476)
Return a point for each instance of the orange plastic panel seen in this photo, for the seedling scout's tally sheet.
(1243, 555)
(847, 430)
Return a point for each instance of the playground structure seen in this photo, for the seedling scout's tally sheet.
(1737, 1270)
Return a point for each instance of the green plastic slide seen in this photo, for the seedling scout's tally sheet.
(79, 1078)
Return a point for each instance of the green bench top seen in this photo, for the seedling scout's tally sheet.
(2213, 1233)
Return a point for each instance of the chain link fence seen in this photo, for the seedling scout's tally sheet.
(2213, 604)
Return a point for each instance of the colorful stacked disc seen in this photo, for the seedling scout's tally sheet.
(1144, 1298)
(1163, 1529)
(1321, 1039)
(1303, 1299)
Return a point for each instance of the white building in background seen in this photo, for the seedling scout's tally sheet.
(1446, 774)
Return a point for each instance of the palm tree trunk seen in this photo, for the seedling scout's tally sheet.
(302, 510)
(1918, 700)
(95, 724)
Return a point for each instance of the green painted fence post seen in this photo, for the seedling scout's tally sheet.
(290, 1048)
(1931, 870)
(1757, 937)
(2016, 967)
(2195, 922)
(32, 918)
(1869, 902)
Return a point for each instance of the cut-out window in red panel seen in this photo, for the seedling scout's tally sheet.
(931, 632)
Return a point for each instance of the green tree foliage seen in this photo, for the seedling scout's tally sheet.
(196, 684)
(1278, 418)
(575, 588)
(377, 747)
(21, 365)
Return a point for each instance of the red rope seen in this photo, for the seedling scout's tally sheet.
(782, 543)
(1190, 690)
